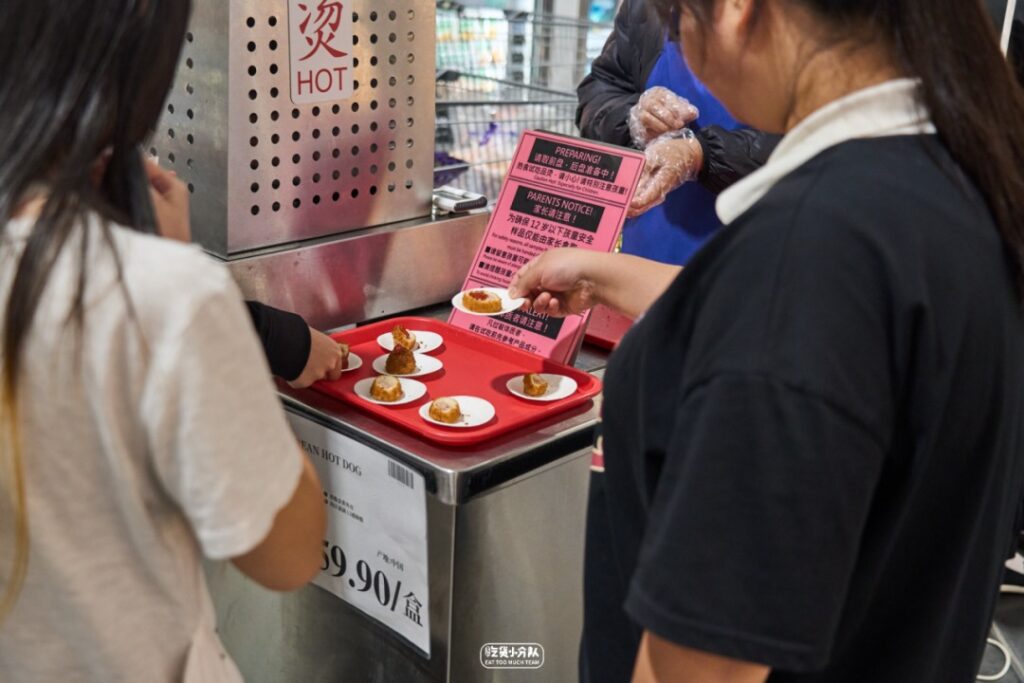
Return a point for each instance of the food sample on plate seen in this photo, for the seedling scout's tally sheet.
(481, 301)
(445, 410)
(534, 385)
(345, 351)
(401, 361)
(404, 338)
(386, 388)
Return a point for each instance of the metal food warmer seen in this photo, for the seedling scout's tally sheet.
(324, 208)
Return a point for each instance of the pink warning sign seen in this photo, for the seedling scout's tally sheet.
(559, 192)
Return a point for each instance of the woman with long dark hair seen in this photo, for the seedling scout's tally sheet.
(813, 438)
(139, 429)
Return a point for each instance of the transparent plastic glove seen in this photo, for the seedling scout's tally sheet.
(659, 111)
(671, 160)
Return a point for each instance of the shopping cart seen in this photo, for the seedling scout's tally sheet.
(522, 47)
(479, 121)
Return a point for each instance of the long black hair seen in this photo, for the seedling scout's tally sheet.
(80, 81)
(970, 90)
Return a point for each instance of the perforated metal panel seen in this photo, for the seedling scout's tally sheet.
(264, 171)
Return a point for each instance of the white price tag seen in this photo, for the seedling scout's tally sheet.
(375, 552)
(320, 49)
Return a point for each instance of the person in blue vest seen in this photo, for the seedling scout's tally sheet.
(640, 93)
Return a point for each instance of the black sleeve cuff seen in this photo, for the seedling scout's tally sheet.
(730, 155)
(285, 337)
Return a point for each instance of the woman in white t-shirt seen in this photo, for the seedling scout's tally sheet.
(139, 426)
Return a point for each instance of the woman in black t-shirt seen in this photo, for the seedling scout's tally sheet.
(812, 438)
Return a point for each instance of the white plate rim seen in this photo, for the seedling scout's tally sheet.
(421, 359)
(406, 383)
(425, 348)
(507, 305)
(425, 412)
(555, 396)
(355, 361)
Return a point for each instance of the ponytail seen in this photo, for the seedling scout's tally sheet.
(974, 100)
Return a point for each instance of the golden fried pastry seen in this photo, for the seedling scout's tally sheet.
(344, 355)
(445, 410)
(386, 388)
(534, 385)
(400, 361)
(404, 337)
(480, 301)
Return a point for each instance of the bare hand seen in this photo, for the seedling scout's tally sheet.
(559, 282)
(670, 162)
(659, 111)
(325, 361)
(170, 202)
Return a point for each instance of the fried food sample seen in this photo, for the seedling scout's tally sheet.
(480, 301)
(386, 388)
(404, 338)
(445, 410)
(534, 385)
(344, 355)
(400, 361)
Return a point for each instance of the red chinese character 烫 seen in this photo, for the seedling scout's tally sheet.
(319, 32)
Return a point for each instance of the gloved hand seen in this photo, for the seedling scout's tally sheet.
(659, 111)
(671, 160)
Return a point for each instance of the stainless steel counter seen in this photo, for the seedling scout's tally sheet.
(505, 530)
(367, 274)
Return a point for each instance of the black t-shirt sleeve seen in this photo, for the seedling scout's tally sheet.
(755, 523)
(285, 338)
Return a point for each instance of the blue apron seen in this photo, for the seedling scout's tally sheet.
(674, 230)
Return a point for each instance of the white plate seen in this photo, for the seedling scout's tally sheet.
(424, 366)
(507, 305)
(559, 387)
(475, 412)
(425, 341)
(354, 362)
(412, 389)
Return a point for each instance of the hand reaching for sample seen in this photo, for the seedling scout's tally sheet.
(659, 111)
(170, 202)
(558, 282)
(325, 361)
(671, 160)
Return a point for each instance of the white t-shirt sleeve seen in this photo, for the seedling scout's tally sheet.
(219, 439)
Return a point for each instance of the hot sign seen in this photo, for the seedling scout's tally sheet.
(320, 40)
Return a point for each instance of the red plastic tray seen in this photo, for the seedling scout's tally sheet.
(473, 365)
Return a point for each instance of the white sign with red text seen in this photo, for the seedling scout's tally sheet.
(320, 47)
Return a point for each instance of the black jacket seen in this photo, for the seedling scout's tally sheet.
(618, 78)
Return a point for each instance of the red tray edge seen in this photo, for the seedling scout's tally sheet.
(463, 439)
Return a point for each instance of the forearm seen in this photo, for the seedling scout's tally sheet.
(660, 661)
(630, 284)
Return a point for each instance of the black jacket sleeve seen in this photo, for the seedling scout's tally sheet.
(285, 338)
(618, 78)
(730, 155)
(619, 74)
